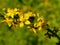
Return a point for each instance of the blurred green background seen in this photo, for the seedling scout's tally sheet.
(50, 9)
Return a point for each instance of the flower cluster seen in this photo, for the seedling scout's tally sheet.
(16, 17)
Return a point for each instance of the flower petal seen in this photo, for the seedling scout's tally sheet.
(27, 22)
(21, 24)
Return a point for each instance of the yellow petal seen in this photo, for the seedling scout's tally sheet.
(9, 22)
(15, 9)
(27, 22)
(33, 30)
(35, 24)
(8, 10)
(8, 14)
(40, 28)
(28, 27)
(43, 20)
(21, 18)
(26, 16)
(38, 14)
(38, 19)
(21, 24)
(39, 23)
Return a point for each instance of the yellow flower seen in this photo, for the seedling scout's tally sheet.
(21, 24)
(41, 19)
(37, 24)
(11, 12)
(24, 19)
